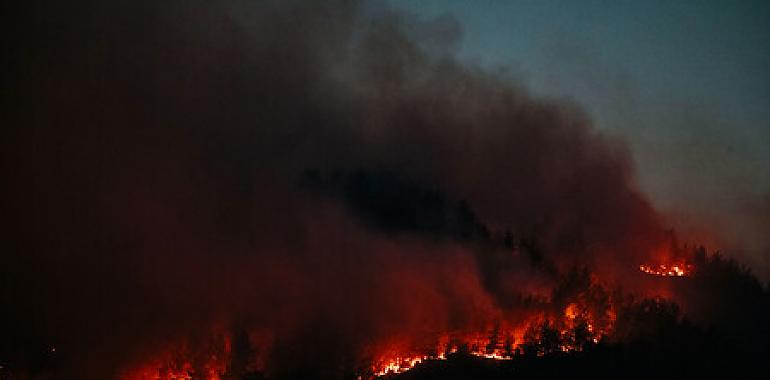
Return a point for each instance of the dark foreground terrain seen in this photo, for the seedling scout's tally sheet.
(633, 361)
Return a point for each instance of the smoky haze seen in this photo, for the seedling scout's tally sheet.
(173, 167)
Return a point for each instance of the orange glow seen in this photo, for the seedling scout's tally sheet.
(574, 327)
(177, 364)
(562, 325)
(213, 370)
(681, 269)
(578, 323)
(400, 364)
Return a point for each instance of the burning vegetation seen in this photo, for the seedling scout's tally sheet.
(320, 190)
(668, 270)
(569, 333)
(581, 318)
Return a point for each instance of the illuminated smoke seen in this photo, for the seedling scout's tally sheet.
(326, 179)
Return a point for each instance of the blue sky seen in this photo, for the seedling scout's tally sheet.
(685, 83)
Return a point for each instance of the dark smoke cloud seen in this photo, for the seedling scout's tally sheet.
(157, 158)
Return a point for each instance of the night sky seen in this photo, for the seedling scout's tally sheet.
(686, 84)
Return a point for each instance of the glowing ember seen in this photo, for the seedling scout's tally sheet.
(399, 365)
(402, 364)
(665, 270)
(584, 320)
(184, 371)
(571, 331)
(181, 363)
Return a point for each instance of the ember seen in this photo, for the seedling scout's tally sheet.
(399, 365)
(668, 270)
(569, 332)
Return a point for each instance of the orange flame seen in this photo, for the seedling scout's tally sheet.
(489, 346)
(668, 270)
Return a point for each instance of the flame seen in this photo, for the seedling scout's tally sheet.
(577, 324)
(214, 370)
(681, 269)
(401, 364)
(499, 344)
(585, 319)
(177, 363)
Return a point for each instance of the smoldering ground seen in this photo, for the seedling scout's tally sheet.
(157, 158)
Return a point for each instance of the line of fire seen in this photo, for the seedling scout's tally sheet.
(592, 318)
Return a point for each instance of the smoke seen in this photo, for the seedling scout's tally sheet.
(325, 175)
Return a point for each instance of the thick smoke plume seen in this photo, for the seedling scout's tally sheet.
(326, 177)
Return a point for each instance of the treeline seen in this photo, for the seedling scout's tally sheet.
(722, 330)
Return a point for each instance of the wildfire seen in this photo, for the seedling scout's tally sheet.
(184, 371)
(402, 364)
(581, 320)
(399, 364)
(569, 332)
(668, 270)
(181, 363)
